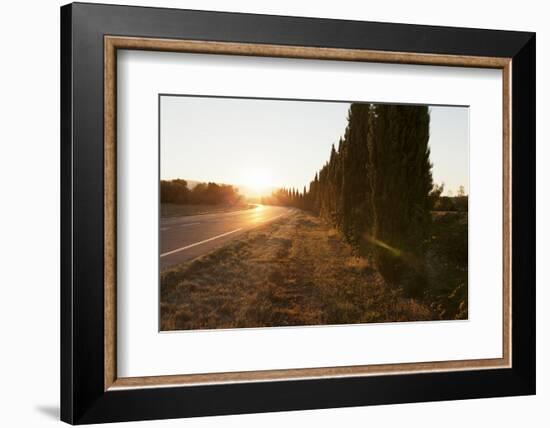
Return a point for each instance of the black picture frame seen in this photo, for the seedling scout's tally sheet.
(83, 398)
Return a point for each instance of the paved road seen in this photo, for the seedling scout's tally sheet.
(184, 238)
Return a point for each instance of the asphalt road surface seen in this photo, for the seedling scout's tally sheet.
(187, 237)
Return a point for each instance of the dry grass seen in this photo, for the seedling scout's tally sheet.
(294, 271)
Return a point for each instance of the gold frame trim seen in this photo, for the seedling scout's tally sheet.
(112, 43)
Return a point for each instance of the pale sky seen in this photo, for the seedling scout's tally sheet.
(279, 143)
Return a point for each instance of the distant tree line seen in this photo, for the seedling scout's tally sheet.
(448, 203)
(178, 192)
(287, 197)
(376, 188)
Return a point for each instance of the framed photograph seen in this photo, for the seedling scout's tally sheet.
(266, 213)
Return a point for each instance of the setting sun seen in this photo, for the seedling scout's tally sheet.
(258, 180)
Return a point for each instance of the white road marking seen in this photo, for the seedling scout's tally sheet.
(178, 225)
(177, 250)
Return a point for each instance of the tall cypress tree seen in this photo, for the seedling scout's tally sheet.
(354, 197)
(400, 181)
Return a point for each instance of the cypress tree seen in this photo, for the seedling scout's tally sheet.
(354, 200)
(400, 181)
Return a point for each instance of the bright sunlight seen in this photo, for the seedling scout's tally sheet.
(258, 180)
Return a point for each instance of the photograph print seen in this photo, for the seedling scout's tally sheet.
(278, 213)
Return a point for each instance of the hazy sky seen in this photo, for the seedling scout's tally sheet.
(276, 143)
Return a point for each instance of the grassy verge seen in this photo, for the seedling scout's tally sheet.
(447, 265)
(176, 210)
(294, 271)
